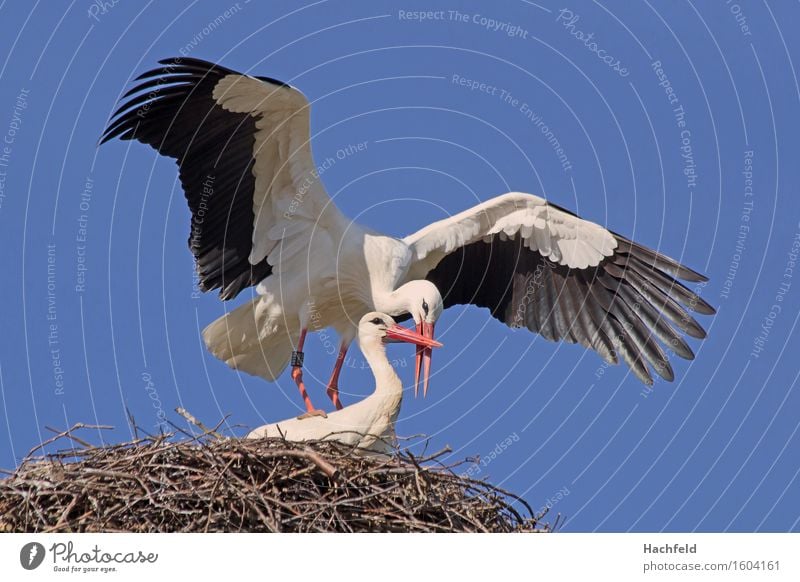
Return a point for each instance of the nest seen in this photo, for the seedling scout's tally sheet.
(216, 484)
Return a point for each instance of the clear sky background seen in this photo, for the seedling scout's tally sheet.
(97, 303)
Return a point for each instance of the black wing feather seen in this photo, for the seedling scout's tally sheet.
(618, 308)
(173, 110)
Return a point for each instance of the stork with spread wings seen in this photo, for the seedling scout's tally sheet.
(261, 217)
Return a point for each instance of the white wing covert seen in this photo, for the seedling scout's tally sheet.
(242, 146)
(538, 266)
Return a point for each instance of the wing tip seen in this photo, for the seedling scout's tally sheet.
(664, 369)
(702, 307)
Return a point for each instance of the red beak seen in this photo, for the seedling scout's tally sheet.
(423, 339)
(424, 354)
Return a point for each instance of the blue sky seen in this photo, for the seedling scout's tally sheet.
(676, 127)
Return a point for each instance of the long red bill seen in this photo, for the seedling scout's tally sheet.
(423, 339)
(418, 363)
(397, 333)
(427, 331)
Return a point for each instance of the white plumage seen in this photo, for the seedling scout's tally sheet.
(267, 221)
(369, 424)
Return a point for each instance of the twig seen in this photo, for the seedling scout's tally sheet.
(158, 484)
(66, 433)
(192, 420)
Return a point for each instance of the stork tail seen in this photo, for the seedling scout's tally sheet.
(255, 338)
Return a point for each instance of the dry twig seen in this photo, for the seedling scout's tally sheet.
(218, 484)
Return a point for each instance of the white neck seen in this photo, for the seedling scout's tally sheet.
(387, 382)
(393, 303)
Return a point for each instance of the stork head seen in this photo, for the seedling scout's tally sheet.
(422, 300)
(377, 327)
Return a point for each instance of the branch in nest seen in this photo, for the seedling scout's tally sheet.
(222, 484)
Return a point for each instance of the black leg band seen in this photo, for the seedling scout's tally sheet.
(297, 359)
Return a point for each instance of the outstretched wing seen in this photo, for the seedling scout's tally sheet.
(535, 265)
(242, 145)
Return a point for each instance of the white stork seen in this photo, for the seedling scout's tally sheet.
(368, 424)
(261, 216)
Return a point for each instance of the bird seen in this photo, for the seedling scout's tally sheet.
(261, 218)
(369, 424)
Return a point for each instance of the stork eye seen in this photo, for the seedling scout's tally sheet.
(425, 306)
(377, 321)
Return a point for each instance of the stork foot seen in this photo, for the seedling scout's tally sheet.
(297, 376)
(313, 413)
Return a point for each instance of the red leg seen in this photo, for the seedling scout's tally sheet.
(333, 383)
(297, 376)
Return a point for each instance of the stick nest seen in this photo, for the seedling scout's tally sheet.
(213, 484)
